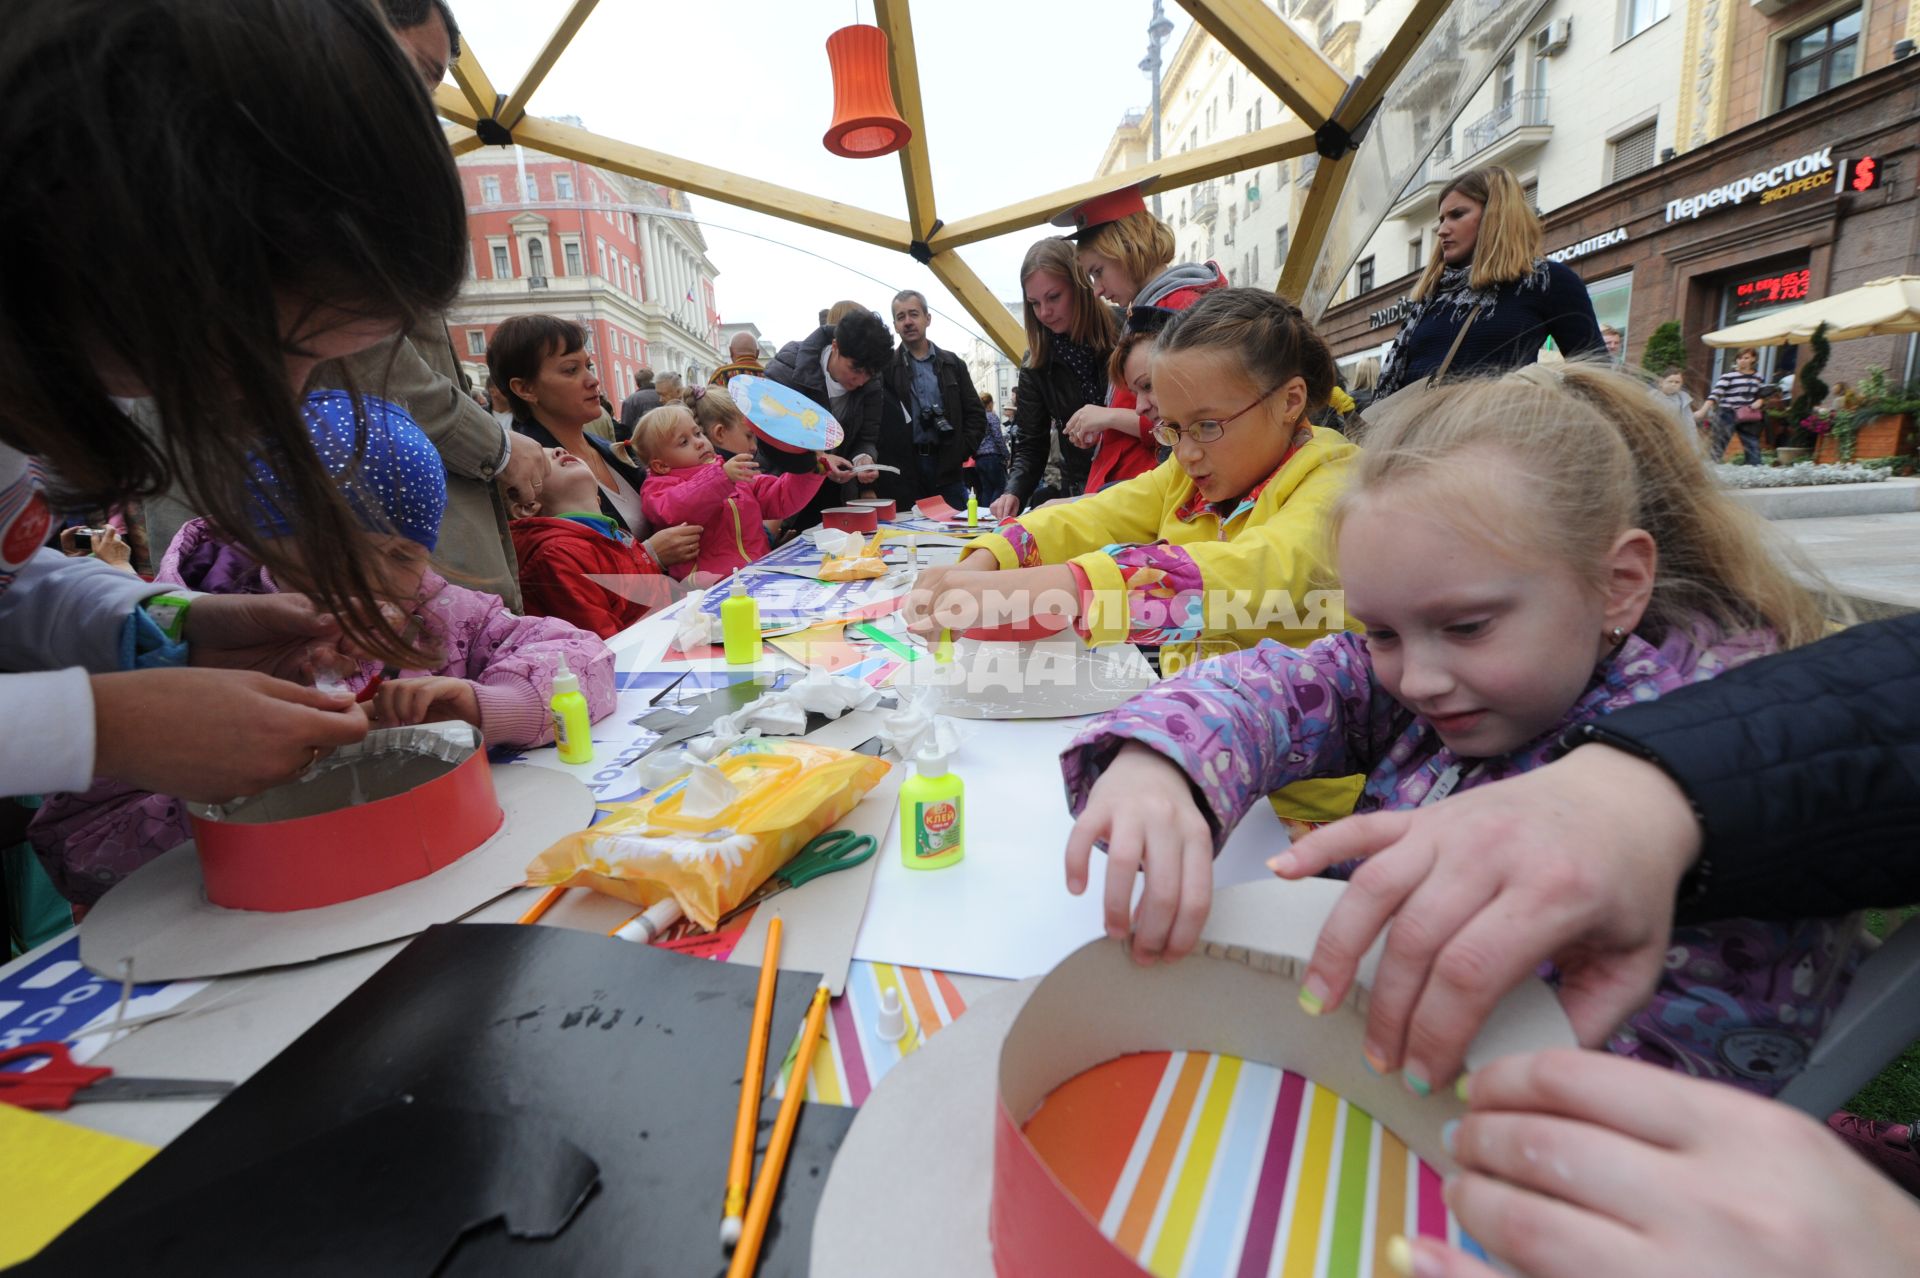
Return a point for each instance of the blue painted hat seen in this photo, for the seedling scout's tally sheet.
(398, 484)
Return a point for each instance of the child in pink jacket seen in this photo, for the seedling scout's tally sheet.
(494, 669)
(687, 483)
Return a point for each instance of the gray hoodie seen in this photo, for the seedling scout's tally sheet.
(1176, 277)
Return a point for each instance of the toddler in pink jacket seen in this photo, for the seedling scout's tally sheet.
(688, 483)
(493, 669)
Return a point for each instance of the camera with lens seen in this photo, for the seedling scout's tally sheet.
(932, 429)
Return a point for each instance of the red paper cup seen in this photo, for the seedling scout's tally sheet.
(884, 507)
(860, 519)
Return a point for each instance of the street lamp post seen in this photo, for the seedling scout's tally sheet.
(1157, 32)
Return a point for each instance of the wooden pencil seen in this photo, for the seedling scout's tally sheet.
(746, 1122)
(747, 1253)
(544, 904)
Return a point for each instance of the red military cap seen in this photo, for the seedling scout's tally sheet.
(1091, 215)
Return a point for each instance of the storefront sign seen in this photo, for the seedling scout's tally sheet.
(1593, 244)
(1390, 314)
(1765, 183)
(1771, 290)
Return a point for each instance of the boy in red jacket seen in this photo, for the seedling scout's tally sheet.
(580, 566)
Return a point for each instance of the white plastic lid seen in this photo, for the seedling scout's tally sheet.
(931, 762)
(565, 681)
(739, 587)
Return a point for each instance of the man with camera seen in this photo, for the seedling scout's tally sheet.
(948, 419)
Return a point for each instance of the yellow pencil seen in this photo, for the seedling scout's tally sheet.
(747, 1253)
(544, 904)
(747, 1121)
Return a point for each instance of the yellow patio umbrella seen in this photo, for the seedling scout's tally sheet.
(1877, 309)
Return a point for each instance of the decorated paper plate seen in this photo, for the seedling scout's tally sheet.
(784, 417)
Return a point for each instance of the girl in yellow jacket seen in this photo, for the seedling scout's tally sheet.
(1220, 546)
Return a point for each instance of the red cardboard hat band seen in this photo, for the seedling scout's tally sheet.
(862, 519)
(883, 507)
(1037, 1228)
(307, 862)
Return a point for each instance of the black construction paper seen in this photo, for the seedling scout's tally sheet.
(632, 1053)
(402, 1186)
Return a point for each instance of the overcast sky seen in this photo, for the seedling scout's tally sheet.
(1021, 97)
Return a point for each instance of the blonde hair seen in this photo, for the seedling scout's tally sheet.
(1140, 242)
(713, 408)
(840, 310)
(652, 425)
(670, 386)
(1593, 453)
(1093, 324)
(1510, 239)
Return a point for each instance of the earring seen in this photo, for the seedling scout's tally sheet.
(1619, 635)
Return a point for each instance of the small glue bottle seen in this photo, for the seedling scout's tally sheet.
(932, 812)
(740, 625)
(973, 510)
(572, 724)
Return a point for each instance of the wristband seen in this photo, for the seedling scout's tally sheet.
(169, 613)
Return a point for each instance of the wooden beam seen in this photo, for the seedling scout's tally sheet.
(452, 104)
(1281, 142)
(475, 88)
(461, 140)
(1373, 86)
(1310, 236)
(916, 167)
(995, 319)
(1274, 52)
(715, 184)
(516, 104)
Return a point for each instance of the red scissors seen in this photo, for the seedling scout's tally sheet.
(62, 1081)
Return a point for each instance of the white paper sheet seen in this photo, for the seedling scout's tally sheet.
(1004, 910)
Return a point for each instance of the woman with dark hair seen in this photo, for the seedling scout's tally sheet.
(260, 187)
(540, 363)
(1070, 335)
(1489, 298)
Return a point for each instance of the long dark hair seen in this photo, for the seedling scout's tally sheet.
(521, 345)
(187, 180)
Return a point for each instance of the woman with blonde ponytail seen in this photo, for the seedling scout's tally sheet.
(1528, 554)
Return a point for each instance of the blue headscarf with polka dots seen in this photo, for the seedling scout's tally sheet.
(400, 485)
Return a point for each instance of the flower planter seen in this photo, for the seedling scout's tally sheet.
(1889, 435)
(1790, 456)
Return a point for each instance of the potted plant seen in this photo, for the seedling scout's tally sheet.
(1875, 420)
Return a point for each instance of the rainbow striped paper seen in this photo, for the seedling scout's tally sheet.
(1197, 1164)
(856, 1056)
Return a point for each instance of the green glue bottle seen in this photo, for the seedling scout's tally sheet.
(740, 625)
(572, 724)
(932, 814)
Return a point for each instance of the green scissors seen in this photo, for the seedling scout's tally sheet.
(824, 854)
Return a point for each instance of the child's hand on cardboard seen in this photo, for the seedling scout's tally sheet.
(741, 467)
(433, 699)
(1143, 811)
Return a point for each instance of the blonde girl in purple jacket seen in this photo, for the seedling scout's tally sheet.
(1528, 554)
(479, 661)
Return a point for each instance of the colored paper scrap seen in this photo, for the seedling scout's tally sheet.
(53, 1174)
(857, 1058)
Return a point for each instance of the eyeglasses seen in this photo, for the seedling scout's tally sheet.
(1204, 432)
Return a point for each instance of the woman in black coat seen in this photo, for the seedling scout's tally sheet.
(1489, 298)
(1070, 334)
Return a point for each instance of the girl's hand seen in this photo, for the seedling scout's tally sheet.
(1579, 1163)
(838, 468)
(675, 545)
(741, 467)
(1090, 421)
(961, 581)
(213, 735)
(1142, 808)
(1005, 506)
(434, 699)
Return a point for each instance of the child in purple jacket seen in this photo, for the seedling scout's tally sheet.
(492, 669)
(1528, 554)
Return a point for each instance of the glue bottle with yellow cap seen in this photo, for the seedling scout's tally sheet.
(932, 812)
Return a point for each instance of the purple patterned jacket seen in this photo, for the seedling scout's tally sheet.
(1740, 1000)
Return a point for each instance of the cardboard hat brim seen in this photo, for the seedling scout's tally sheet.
(1091, 214)
(918, 1172)
(160, 918)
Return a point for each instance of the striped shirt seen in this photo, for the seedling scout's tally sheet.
(1735, 390)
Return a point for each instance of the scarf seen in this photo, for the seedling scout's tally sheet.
(1453, 297)
(1088, 368)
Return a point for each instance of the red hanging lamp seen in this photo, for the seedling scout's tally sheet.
(866, 123)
